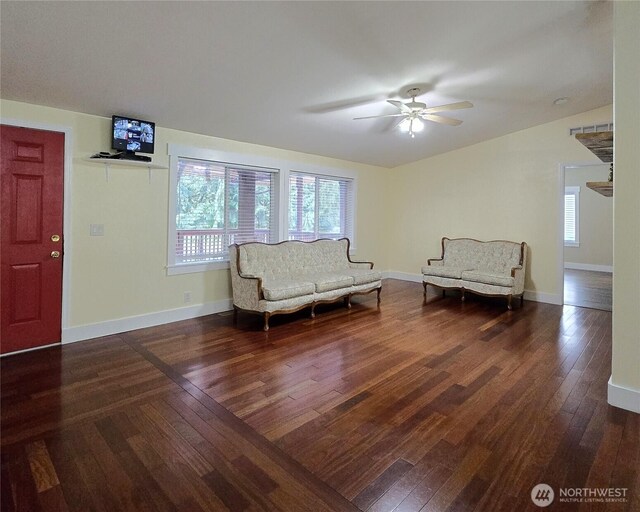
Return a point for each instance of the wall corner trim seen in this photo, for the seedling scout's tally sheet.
(624, 398)
(130, 323)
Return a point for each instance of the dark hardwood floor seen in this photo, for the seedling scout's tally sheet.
(588, 289)
(445, 407)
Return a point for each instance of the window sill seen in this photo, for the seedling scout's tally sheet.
(572, 244)
(191, 268)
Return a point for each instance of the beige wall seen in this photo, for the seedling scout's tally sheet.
(626, 205)
(595, 221)
(504, 188)
(123, 273)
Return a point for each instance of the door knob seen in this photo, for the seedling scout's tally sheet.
(55, 254)
(55, 238)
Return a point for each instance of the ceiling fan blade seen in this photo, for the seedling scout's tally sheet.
(373, 117)
(441, 119)
(450, 106)
(400, 105)
(390, 124)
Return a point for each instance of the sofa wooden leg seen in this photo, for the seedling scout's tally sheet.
(424, 293)
(235, 315)
(313, 310)
(444, 293)
(379, 290)
(266, 321)
(347, 301)
(522, 300)
(509, 307)
(463, 297)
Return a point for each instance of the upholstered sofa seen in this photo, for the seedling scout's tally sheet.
(270, 279)
(494, 268)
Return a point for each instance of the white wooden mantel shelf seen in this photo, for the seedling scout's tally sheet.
(108, 162)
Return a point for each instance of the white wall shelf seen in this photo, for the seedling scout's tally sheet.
(108, 162)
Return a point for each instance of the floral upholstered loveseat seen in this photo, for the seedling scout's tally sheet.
(269, 279)
(494, 268)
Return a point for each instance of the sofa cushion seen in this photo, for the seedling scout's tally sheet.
(280, 288)
(327, 281)
(448, 271)
(488, 278)
(495, 257)
(292, 257)
(363, 275)
(443, 282)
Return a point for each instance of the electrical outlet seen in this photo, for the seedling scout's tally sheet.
(187, 297)
(96, 229)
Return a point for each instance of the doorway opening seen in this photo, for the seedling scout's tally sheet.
(587, 238)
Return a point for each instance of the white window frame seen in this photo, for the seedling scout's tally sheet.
(282, 167)
(175, 153)
(350, 225)
(575, 192)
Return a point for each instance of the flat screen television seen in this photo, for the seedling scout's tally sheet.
(132, 135)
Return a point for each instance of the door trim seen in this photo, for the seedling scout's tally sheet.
(66, 212)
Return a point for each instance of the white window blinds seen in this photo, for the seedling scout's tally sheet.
(218, 204)
(320, 207)
(571, 215)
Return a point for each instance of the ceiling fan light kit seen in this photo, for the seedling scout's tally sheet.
(414, 112)
(411, 125)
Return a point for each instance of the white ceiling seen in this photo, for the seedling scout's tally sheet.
(293, 74)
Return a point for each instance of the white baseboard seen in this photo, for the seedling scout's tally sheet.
(130, 323)
(548, 298)
(402, 276)
(624, 398)
(588, 266)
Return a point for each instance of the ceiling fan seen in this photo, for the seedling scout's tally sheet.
(415, 111)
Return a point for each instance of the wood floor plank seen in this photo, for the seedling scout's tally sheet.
(425, 490)
(74, 488)
(458, 481)
(53, 500)
(42, 470)
(380, 485)
(588, 289)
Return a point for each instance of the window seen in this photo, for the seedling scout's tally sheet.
(218, 198)
(571, 216)
(218, 204)
(319, 207)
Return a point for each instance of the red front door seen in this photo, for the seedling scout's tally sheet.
(31, 238)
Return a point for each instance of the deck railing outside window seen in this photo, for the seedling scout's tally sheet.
(211, 245)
